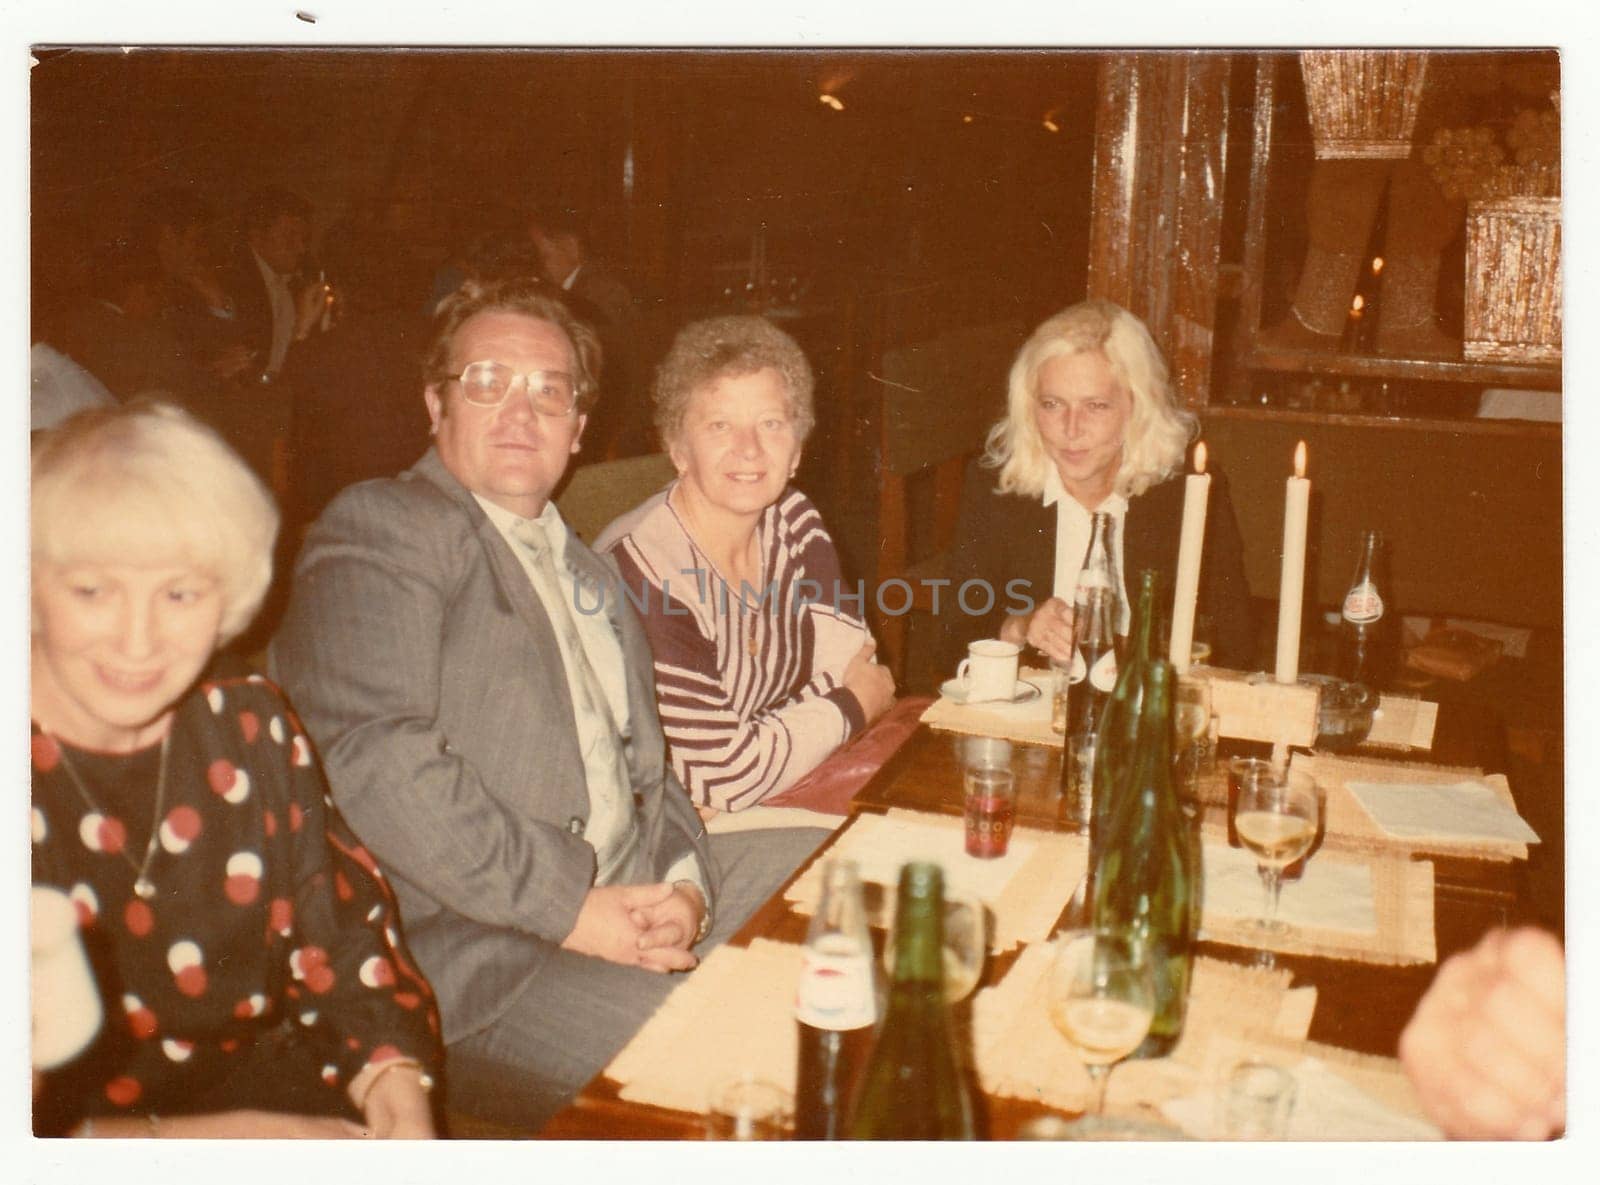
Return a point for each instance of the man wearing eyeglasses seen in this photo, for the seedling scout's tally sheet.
(493, 738)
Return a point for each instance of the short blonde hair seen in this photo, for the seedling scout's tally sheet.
(147, 482)
(1158, 433)
(705, 351)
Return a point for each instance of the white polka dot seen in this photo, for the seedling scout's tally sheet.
(176, 1050)
(375, 912)
(214, 699)
(276, 730)
(301, 750)
(182, 955)
(131, 1003)
(255, 679)
(308, 1017)
(89, 830)
(40, 831)
(83, 897)
(244, 864)
(240, 790)
(258, 1004)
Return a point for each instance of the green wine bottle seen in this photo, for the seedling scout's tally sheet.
(912, 1087)
(1119, 723)
(1148, 877)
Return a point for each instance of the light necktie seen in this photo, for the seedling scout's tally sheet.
(606, 761)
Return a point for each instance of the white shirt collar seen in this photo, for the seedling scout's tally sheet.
(555, 527)
(1113, 503)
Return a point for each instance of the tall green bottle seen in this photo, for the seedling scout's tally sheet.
(912, 1088)
(1119, 722)
(1148, 877)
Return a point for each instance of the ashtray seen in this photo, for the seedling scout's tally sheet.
(1344, 711)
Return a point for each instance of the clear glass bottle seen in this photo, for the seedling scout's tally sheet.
(1096, 610)
(1367, 650)
(835, 1005)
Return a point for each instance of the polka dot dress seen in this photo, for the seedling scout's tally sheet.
(267, 914)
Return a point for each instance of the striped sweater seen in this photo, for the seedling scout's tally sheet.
(748, 685)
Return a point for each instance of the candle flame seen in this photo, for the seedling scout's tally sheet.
(1300, 459)
(1200, 457)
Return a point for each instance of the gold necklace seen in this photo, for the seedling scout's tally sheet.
(143, 887)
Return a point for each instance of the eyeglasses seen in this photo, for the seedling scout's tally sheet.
(486, 384)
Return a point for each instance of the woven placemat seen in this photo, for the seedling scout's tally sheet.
(1402, 902)
(732, 1016)
(1348, 825)
(1024, 904)
(1019, 1054)
(1351, 827)
(1028, 723)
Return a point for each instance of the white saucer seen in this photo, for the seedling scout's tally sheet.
(956, 692)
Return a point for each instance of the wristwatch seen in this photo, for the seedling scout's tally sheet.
(705, 916)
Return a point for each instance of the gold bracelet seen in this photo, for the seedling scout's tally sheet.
(424, 1079)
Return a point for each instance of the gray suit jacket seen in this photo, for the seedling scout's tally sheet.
(425, 668)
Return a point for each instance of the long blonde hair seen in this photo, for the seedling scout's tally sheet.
(1158, 432)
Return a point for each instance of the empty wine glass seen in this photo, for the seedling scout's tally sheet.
(965, 943)
(1101, 996)
(1276, 816)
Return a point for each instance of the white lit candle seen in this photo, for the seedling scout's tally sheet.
(1292, 581)
(1196, 493)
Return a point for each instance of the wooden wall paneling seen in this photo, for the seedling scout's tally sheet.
(1155, 231)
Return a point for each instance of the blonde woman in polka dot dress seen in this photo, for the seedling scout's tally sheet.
(244, 945)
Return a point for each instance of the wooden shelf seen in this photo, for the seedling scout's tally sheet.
(1465, 426)
(1531, 376)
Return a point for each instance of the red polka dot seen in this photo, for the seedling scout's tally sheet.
(320, 980)
(142, 1023)
(249, 726)
(352, 1043)
(46, 753)
(269, 823)
(341, 886)
(296, 816)
(192, 981)
(377, 972)
(221, 775)
(184, 822)
(124, 1091)
(383, 1053)
(241, 890)
(113, 835)
(280, 915)
(407, 999)
(229, 1045)
(138, 918)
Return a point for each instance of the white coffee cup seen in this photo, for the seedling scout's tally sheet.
(989, 672)
(66, 1002)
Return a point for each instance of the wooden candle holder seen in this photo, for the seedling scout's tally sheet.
(1253, 707)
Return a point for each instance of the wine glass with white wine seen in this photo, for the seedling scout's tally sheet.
(1101, 995)
(1276, 816)
(965, 943)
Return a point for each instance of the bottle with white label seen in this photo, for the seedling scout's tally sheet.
(1095, 611)
(1366, 620)
(835, 1005)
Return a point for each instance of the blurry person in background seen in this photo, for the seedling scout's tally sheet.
(245, 945)
(597, 292)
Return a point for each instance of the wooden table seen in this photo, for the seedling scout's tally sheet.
(1359, 1006)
